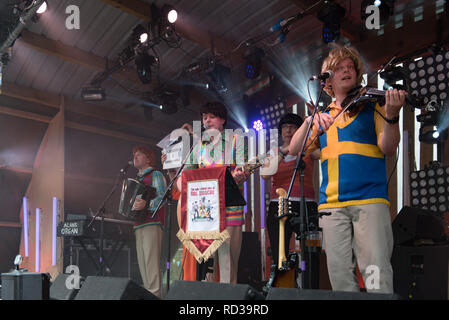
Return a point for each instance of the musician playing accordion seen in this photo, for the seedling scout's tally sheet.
(148, 229)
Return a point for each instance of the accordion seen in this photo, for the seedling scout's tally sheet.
(132, 190)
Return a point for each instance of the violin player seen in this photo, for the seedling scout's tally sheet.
(353, 147)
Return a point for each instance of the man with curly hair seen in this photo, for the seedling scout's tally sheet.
(353, 147)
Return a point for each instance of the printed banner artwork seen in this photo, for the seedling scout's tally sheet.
(203, 206)
(202, 211)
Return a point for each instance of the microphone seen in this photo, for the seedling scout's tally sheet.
(174, 141)
(325, 75)
(129, 164)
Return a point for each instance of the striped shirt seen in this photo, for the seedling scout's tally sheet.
(232, 153)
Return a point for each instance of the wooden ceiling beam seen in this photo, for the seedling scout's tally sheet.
(74, 55)
(76, 125)
(77, 106)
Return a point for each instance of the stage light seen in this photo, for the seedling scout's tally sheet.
(428, 77)
(93, 93)
(253, 65)
(331, 14)
(269, 115)
(168, 101)
(169, 13)
(432, 136)
(139, 34)
(377, 3)
(218, 77)
(258, 125)
(144, 62)
(428, 188)
(42, 8)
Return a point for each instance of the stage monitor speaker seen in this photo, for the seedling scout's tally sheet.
(310, 294)
(112, 288)
(59, 289)
(416, 223)
(18, 285)
(200, 290)
(421, 273)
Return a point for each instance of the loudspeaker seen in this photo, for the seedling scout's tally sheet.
(18, 285)
(310, 294)
(414, 223)
(421, 273)
(249, 272)
(59, 289)
(199, 290)
(111, 288)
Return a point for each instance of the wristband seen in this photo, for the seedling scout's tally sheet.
(392, 121)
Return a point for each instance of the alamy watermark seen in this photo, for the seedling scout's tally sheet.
(235, 152)
(373, 17)
(73, 21)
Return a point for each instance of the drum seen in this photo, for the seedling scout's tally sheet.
(131, 190)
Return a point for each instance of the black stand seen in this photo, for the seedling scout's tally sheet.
(301, 227)
(167, 196)
(100, 212)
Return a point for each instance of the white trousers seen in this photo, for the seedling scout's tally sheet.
(359, 233)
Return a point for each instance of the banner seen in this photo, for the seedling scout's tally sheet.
(203, 224)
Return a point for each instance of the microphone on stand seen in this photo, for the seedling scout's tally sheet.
(129, 164)
(325, 75)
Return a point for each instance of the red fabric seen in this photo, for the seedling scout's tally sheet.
(198, 175)
(283, 176)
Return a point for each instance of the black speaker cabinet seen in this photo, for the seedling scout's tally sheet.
(111, 288)
(416, 223)
(421, 273)
(199, 290)
(310, 294)
(63, 288)
(19, 285)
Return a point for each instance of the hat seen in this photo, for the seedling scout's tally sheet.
(290, 118)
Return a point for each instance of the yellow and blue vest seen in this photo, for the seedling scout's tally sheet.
(352, 164)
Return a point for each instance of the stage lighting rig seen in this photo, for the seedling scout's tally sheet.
(139, 35)
(167, 100)
(331, 15)
(93, 93)
(253, 62)
(218, 77)
(144, 62)
(162, 25)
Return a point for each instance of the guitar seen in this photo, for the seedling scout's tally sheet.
(282, 275)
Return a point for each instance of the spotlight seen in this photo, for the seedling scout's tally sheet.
(93, 93)
(144, 62)
(139, 35)
(253, 58)
(217, 77)
(169, 13)
(42, 8)
(258, 125)
(429, 76)
(168, 101)
(432, 136)
(331, 15)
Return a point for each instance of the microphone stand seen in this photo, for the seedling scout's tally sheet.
(101, 212)
(167, 196)
(303, 215)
